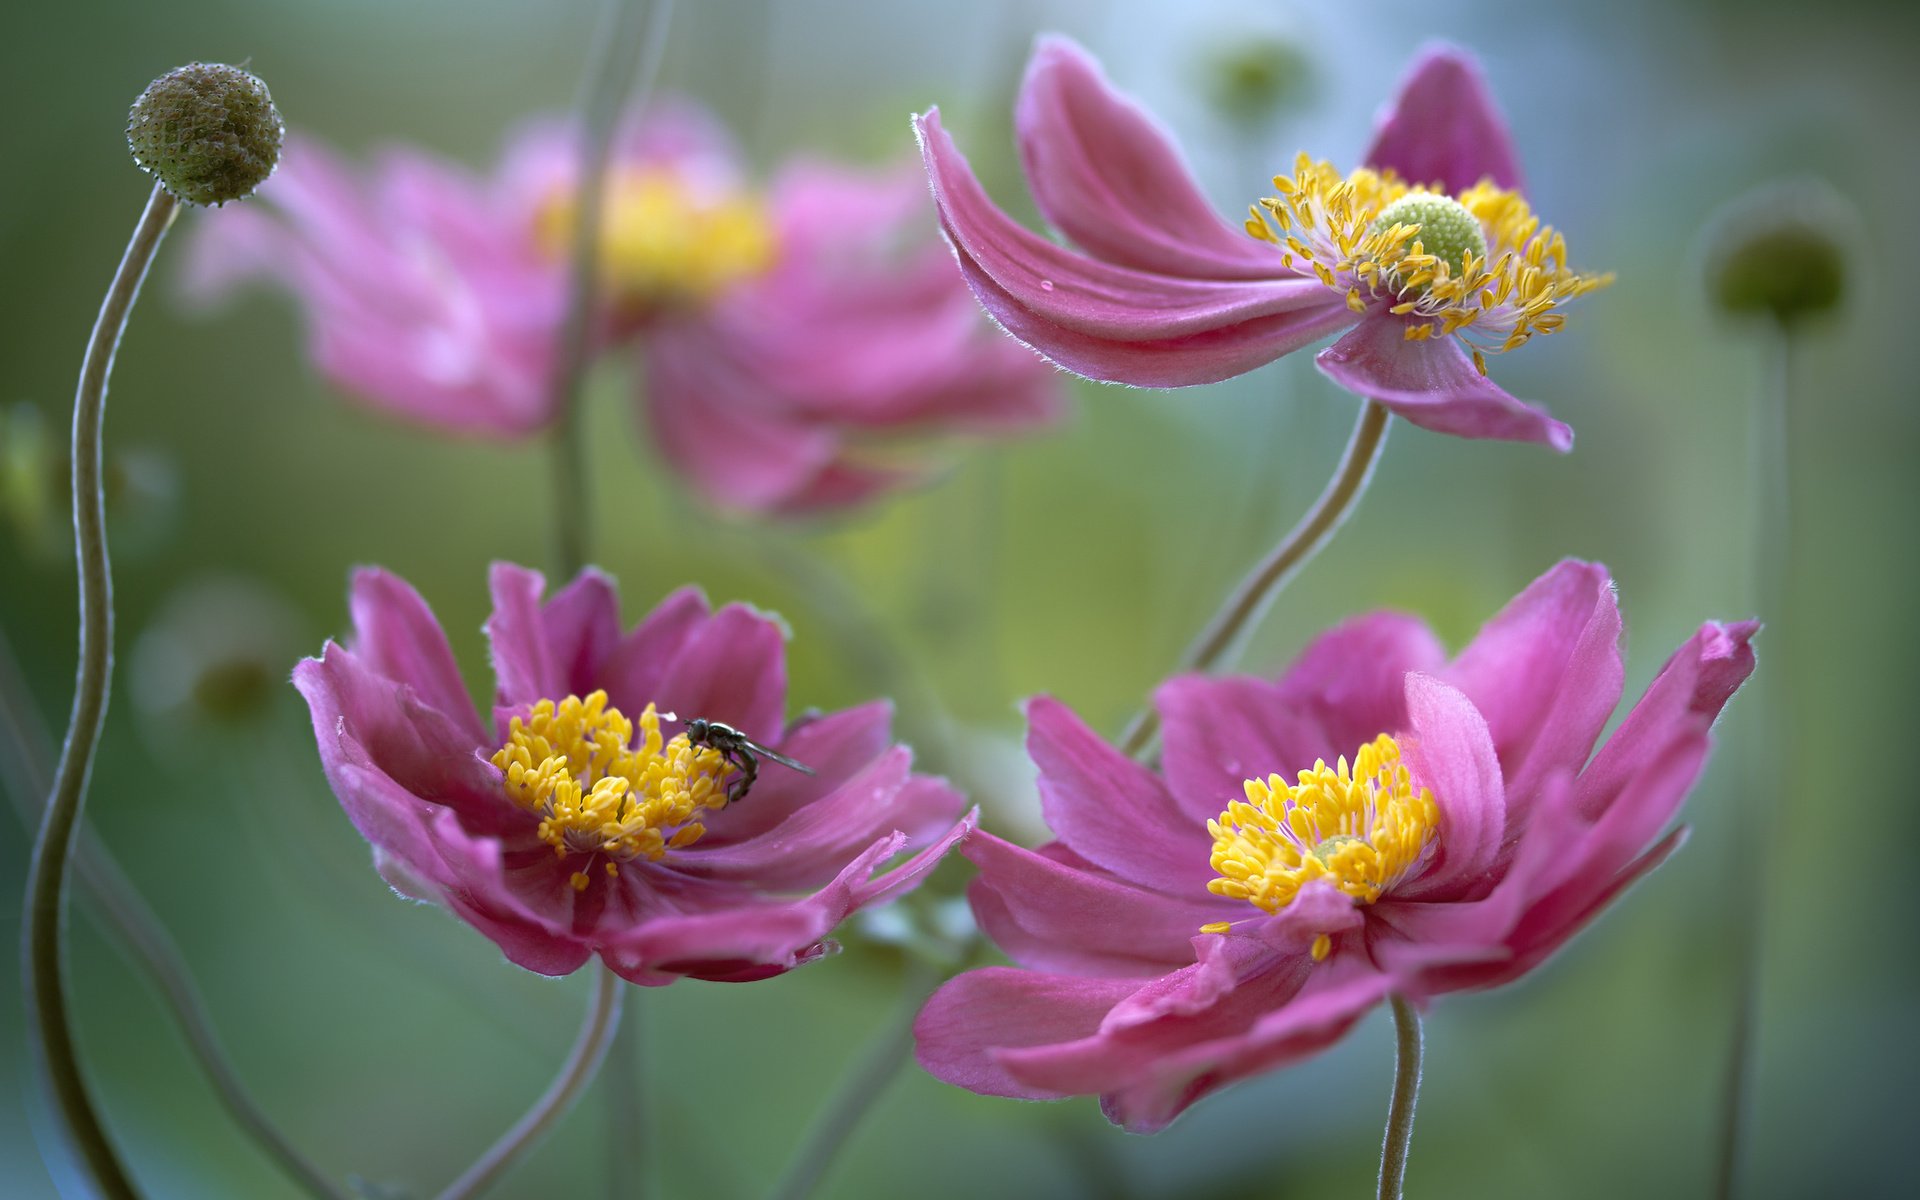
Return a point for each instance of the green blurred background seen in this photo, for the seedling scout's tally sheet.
(394, 1043)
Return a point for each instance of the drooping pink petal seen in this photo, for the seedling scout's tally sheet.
(1106, 175)
(1546, 674)
(1111, 809)
(1334, 999)
(1442, 126)
(963, 1029)
(1353, 677)
(1434, 384)
(1219, 733)
(1111, 322)
(396, 633)
(1451, 752)
(1051, 916)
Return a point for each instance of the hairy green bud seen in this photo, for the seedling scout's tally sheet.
(207, 131)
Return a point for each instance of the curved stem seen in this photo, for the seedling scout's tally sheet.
(1250, 598)
(1772, 764)
(604, 94)
(583, 1062)
(26, 753)
(859, 1091)
(1406, 1090)
(52, 852)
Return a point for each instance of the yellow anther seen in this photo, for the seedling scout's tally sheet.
(664, 239)
(1363, 830)
(1497, 299)
(574, 763)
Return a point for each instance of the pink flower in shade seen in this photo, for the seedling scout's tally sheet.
(795, 342)
(1427, 256)
(577, 821)
(1245, 905)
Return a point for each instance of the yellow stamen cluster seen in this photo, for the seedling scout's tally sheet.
(1328, 224)
(574, 763)
(1362, 830)
(664, 239)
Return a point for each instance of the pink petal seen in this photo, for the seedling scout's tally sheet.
(977, 1014)
(523, 662)
(732, 669)
(1110, 322)
(395, 632)
(1111, 809)
(1219, 733)
(1321, 1013)
(837, 746)
(1546, 674)
(1353, 678)
(1434, 384)
(716, 424)
(1683, 701)
(1109, 177)
(637, 665)
(1049, 915)
(1442, 126)
(1451, 752)
(808, 848)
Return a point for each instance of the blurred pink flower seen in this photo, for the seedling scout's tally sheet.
(1178, 937)
(793, 341)
(558, 832)
(1427, 256)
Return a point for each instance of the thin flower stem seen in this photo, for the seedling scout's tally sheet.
(1250, 598)
(628, 1177)
(26, 753)
(1406, 1091)
(52, 852)
(583, 1062)
(1772, 762)
(860, 1090)
(625, 63)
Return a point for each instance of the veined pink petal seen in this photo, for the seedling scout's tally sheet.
(1353, 677)
(1051, 916)
(836, 745)
(1434, 384)
(1106, 175)
(1219, 733)
(1442, 126)
(1546, 674)
(974, 1016)
(396, 633)
(1111, 809)
(1451, 752)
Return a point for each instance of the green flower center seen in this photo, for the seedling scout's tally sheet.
(1447, 230)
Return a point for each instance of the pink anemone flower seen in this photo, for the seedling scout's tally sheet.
(1247, 904)
(1427, 256)
(797, 342)
(579, 819)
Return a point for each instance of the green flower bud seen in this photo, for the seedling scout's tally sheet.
(1254, 79)
(208, 132)
(1781, 251)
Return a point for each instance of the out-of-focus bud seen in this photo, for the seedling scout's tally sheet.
(1781, 251)
(29, 465)
(1251, 81)
(208, 131)
(218, 653)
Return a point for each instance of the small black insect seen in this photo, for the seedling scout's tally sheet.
(741, 751)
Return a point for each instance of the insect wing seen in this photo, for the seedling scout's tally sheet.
(775, 756)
